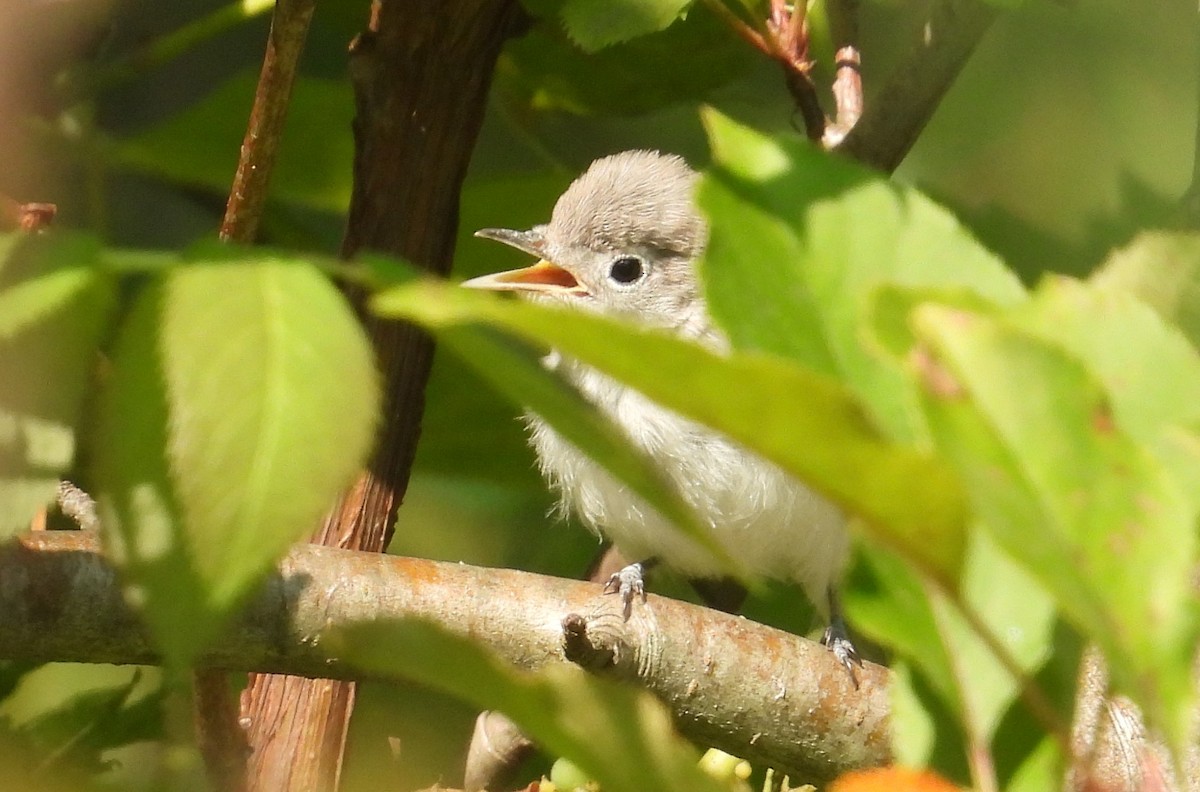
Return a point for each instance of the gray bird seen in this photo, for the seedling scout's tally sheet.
(623, 241)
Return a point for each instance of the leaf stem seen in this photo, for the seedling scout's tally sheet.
(753, 37)
(1031, 693)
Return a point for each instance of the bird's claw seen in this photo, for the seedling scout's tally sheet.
(629, 582)
(839, 643)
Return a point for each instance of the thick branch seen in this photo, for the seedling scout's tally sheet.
(751, 690)
(895, 117)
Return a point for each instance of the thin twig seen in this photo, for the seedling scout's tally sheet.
(788, 36)
(1034, 698)
(26, 216)
(289, 30)
(847, 81)
(784, 40)
(76, 504)
(753, 37)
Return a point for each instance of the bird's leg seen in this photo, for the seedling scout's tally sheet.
(837, 638)
(630, 582)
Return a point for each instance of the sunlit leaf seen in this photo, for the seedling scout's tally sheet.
(800, 243)
(1163, 269)
(54, 303)
(1070, 494)
(643, 74)
(243, 397)
(595, 24)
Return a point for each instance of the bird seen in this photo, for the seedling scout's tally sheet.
(623, 241)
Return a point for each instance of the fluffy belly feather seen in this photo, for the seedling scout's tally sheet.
(764, 518)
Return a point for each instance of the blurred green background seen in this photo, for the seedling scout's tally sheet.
(1073, 125)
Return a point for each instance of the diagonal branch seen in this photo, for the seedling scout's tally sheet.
(895, 117)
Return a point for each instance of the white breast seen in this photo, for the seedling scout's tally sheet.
(772, 523)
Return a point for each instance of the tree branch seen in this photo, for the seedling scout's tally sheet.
(60, 601)
(895, 117)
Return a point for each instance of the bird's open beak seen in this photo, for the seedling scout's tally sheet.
(543, 276)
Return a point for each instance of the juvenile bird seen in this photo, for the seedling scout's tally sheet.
(623, 240)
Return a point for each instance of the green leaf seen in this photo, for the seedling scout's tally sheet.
(1127, 346)
(1163, 269)
(642, 75)
(1071, 495)
(620, 736)
(892, 607)
(75, 736)
(199, 146)
(595, 24)
(800, 243)
(887, 602)
(54, 304)
(798, 419)
(243, 398)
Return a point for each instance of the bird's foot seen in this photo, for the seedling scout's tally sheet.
(629, 582)
(838, 641)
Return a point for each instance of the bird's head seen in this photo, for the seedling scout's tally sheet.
(623, 239)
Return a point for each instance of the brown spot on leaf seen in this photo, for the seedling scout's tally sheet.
(936, 378)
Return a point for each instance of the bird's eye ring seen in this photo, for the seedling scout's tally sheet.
(626, 269)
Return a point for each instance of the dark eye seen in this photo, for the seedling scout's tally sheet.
(626, 269)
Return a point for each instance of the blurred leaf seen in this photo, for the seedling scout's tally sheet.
(792, 416)
(620, 736)
(74, 736)
(243, 397)
(800, 243)
(1026, 756)
(11, 674)
(54, 304)
(1021, 622)
(889, 604)
(645, 74)
(595, 24)
(1127, 346)
(1163, 269)
(199, 146)
(1070, 494)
